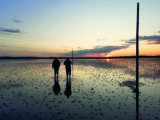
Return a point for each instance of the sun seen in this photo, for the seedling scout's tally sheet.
(108, 55)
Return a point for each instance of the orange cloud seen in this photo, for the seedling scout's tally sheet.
(144, 49)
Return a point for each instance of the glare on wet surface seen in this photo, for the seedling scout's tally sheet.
(101, 89)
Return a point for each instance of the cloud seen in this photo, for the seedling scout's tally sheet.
(104, 49)
(153, 39)
(6, 30)
(16, 20)
(79, 47)
(3, 46)
(101, 39)
(131, 41)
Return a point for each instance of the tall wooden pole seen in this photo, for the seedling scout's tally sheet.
(137, 64)
(72, 59)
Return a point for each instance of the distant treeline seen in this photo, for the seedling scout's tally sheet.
(119, 57)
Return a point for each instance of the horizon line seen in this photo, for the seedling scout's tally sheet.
(53, 57)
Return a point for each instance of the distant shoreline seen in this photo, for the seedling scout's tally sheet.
(119, 57)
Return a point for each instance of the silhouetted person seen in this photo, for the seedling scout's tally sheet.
(56, 87)
(68, 91)
(67, 64)
(55, 66)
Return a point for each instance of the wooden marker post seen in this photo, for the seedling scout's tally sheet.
(72, 61)
(137, 64)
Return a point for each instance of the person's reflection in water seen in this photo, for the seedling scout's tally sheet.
(68, 91)
(56, 87)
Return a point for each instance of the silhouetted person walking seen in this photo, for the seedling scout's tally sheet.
(67, 64)
(55, 66)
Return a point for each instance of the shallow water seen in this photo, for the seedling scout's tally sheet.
(100, 89)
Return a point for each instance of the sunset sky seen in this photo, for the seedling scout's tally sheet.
(89, 27)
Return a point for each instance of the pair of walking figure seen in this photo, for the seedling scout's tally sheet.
(56, 87)
(56, 65)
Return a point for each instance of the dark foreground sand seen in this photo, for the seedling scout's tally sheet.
(100, 90)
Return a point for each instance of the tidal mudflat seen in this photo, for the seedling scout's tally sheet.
(99, 90)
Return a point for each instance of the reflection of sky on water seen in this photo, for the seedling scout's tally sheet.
(97, 86)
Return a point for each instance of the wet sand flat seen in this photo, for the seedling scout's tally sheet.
(99, 90)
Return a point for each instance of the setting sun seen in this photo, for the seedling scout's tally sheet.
(108, 55)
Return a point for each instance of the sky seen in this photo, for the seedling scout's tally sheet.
(89, 27)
